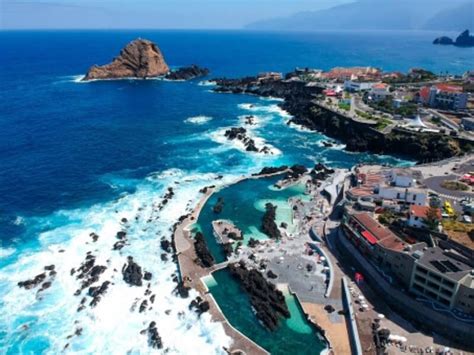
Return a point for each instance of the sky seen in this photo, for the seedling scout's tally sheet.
(160, 14)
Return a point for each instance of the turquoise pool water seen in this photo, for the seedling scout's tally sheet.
(294, 335)
(244, 205)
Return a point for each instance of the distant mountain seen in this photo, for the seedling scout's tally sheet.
(379, 15)
(455, 19)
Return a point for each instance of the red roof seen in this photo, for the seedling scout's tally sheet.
(369, 237)
(379, 86)
(425, 93)
(420, 211)
(375, 233)
(448, 88)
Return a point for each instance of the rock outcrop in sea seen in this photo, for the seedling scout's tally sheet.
(187, 73)
(269, 226)
(141, 58)
(268, 302)
(463, 40)
(203, 254)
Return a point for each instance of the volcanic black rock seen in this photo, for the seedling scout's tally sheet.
(187, 73)
(269, 227)
(132, 273)
(203, 254)
(219, 205)
(268, 302)
(199, 305)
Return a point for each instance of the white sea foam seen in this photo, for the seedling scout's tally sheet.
(5, 252)
(199, 120)
(207, 83)
(299, 128)
(110, 327)
(273, 109)
(258, 121)
(335, 146)
(219, 137)
(271, 98)
(78, 79)
(19, 220)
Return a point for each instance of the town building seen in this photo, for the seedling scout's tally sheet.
(433, 273)
(379, 92)
(402, 178)
(355, 86)
(417, 215)
(341, 74)
(468, 123)
(443, 96)
(412, 196)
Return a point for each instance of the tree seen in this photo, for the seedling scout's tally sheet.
(431, 219)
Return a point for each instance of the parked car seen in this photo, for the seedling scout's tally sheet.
(467, 219)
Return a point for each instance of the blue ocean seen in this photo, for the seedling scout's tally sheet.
(79, 158)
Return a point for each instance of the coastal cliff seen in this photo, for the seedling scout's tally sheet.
(358, 136)
(139, 59)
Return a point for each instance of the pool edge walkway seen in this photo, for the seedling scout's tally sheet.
(192, 275)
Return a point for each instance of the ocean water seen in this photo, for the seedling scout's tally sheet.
(77, 158)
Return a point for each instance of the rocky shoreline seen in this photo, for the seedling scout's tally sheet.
(358, 136)
(240, 134)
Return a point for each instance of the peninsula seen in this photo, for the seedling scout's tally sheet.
(370, 111)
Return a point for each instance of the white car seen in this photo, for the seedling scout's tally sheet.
(466, 219)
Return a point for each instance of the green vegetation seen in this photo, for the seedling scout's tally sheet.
(432, 218)
(344, 106)
(382, 123)
(387, 217)
(457, 226)
(386, 105)
(366, 115)
(454, 185)
(415, 76)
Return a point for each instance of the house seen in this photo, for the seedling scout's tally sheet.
(443, 96)
(341, 74)
(354, 86)
(417, 215)
(411, 196)
(379, 92)
(402, 178)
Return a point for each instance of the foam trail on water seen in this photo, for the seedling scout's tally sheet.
(34, 321)
(199, 120)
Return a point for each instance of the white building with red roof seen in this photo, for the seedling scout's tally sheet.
(444, 96)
